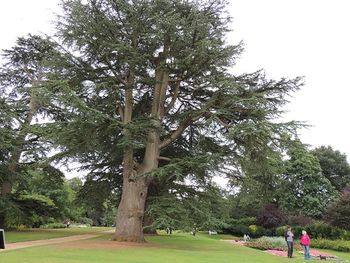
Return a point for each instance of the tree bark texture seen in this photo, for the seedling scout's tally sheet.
(130, 211)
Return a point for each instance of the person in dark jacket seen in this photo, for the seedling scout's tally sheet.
(289, 237)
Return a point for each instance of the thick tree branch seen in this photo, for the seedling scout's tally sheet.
(174, 97)
(176, 134)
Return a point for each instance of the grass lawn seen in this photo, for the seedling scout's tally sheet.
(177, 248)
(39, 234)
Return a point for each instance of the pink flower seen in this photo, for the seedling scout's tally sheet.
(277, 253)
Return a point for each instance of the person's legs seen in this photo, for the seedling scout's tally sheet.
(290, 249)
(307, 252)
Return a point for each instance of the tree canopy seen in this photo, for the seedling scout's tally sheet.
(140, 92)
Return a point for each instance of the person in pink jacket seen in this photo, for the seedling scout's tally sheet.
(305, 242)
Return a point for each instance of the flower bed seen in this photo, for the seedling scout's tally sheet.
(317, 253)
(277, 252)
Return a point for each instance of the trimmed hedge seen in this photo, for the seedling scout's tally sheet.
(337, 245)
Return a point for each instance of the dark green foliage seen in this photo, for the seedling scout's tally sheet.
(40, 195)
(239, 227)
(53, 225)
(184, 207)
(187, 40)
(96, 200)
(299, 220)
(302, 188)
(23, 75)
(281, 230)
(334, 166)
(259, 231)
(102, 88)
(322, 230)
(338, 212)
(30, 210)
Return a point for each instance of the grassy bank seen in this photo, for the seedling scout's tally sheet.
(179, 248)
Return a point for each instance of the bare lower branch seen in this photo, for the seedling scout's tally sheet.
(164, 158)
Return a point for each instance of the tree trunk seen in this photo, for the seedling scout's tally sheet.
(5, 190)
(131, 210)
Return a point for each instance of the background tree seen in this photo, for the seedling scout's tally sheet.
(144, 75)
(40, 196)
(303, 188)
(334, 166)
(97, 199)
(22, 75)
(338, 212)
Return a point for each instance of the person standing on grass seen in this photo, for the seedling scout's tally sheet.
(305, 242)
(289, 237)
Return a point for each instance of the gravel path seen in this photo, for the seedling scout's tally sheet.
(53, 241)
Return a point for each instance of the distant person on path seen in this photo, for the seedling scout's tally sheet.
(194, 231)
(305, 242)
(246, 237)
(289, 237)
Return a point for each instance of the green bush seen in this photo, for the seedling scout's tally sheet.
(337, 245)
(238, 229)
(346, 235)
(266, 243)
(85, 221)
(259, 231)
(280, 231)
(247, 221)
(53, 225)
(297, 231)
(322, 230)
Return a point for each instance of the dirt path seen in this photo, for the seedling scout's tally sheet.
(46, 242)
(53, 241)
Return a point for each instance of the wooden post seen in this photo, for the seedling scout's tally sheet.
(2, 239)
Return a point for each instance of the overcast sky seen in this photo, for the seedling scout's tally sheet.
(287, 38)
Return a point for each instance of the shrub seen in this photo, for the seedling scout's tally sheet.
(258, 231)
(337, 245)
(86, 221)
(53, 225)
(270, 216)
(281, 230)
(297, 231)
(322, 230)
(239, 226)
(299, 220)
(238, 230)
(338, 213)
(346, 235)
(247, 221)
